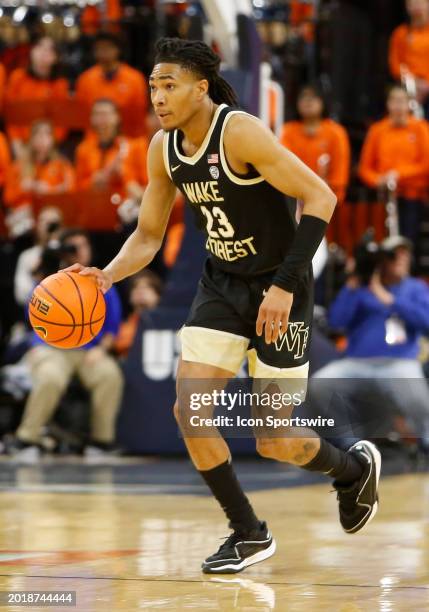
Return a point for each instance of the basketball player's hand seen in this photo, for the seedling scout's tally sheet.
(102, 278)
(274, 313)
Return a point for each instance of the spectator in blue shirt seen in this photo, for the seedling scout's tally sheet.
(384, 323)
(52, 369)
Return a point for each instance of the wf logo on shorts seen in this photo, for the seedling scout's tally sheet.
(295, 339)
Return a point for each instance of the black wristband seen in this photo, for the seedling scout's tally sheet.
(308, 236)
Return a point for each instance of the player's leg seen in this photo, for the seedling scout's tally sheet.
(213, 357)
(51, 371)
(355, 472)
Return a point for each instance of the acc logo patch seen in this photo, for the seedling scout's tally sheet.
(214, 171)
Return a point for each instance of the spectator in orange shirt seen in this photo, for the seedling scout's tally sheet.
(113, 79)
(100, 158)
(40, 81)
(102, 164)
(395, 155)
(322, 144)
(409, 48)
(40, 169)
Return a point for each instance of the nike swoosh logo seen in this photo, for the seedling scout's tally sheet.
(174, 168)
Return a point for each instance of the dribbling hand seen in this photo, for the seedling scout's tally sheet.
(102, 278)
(274, 313)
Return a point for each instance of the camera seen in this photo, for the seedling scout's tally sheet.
(367, 256)
(52, 256)
(52, 227)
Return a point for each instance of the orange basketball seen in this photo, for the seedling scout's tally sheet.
(67, 310)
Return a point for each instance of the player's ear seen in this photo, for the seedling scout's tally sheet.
(202, 88)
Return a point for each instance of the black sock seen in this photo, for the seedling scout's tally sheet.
(334, 462)
(224, 485)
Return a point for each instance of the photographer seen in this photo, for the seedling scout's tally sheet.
(385, 318)
(52, 369)
(384, 321)
(48, 226)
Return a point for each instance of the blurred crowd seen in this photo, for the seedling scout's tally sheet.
(76, 124)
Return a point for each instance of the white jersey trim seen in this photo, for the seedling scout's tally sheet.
(198, 155)
(233, 177)
(165, 154)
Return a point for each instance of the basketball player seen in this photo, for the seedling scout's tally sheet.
(257, 281)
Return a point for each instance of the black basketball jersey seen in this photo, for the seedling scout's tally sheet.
(249, 224)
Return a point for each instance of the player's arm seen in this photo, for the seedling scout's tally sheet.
(143, 244)
(248, 141)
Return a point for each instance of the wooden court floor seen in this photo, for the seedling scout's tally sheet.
(122, 551)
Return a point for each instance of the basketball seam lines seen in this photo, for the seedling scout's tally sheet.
(81, 303)
(65, 324)
(58, 302)
(93, 308)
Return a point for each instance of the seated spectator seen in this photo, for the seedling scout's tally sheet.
(108, 162)
(40, 169)
(40, 81)
(52, 370)
(395, 156)
(409, 48)
(48, 226)
(110, 78)
(145, 293)
(320, 142)
(384, 321)
(100, 157)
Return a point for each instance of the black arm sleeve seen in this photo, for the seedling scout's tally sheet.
(308, 236)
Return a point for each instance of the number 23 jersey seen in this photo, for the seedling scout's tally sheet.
(249, 224)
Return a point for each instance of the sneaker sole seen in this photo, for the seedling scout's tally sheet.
(234, 568)
(377, 461)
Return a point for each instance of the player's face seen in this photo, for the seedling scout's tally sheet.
(176, 95)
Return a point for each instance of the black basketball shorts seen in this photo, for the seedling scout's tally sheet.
(221, 327)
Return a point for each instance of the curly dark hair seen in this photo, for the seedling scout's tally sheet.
(197, 57)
